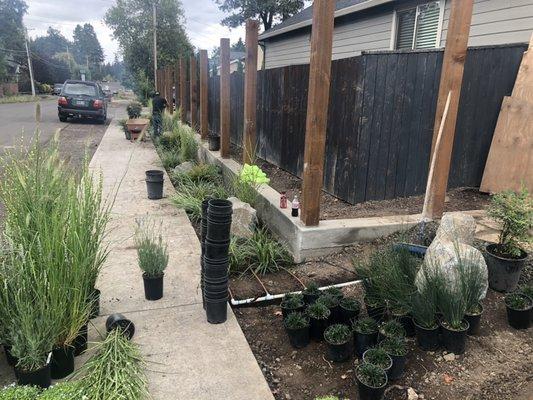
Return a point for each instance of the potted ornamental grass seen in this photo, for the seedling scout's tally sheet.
(365, 332)
(454, 326)
(311, 293)
(506, 259)
(339, 339)
(297, 328)
(424, 314)
(391, 329)
(396, 348)
(334, 291)
(473, 288)
(350, 309)
(378, 357)
(152, 255)
(135, 123)
(292, 302)
(519, 309)
(371, 381)
(318, 319)
(332, 302)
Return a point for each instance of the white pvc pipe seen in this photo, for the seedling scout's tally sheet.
(269, 297)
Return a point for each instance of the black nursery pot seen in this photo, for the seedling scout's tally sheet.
(217, 231)
(95, 301)
(504, 273)
(153, 287)
(41, 378)
(340, 352)
(427, 339)
(216, 251)
(317, 328)
(370, 393)
(474, 321)
(154, 184)
(364, 341)
(299, 338)
(519, 319)
(10, 358)
(115, 321)
(216, 311)
(407, 323)
(454, 341)
(310, 298)
(286, 311)
(398, 367)
(377, 313)
(347, 316)
(62, 364)
(214, 143)
(80, 343)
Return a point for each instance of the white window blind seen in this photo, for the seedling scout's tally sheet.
(418, 27)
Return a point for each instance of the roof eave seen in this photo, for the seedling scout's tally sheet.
(338, 13)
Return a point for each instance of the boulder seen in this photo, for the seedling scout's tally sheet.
(183, 168)
(244, 218)
(456, 226)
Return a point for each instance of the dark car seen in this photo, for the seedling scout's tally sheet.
(57, 89)
(82, 99)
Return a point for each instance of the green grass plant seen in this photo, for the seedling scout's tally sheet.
(189, 196)
(365, 326)
(152, 252)
(13, 392)
(63, 391)
(394, 346)
(350, 303)
(169, 159)
(371, 375)
(296, 320)
(337, 334)
(392, 328)
(378, 357)
(292, 301)
(318, 311)
(518, 301)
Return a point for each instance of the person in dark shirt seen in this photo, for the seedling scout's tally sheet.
(158, 107)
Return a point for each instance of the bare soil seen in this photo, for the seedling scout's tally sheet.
(461, 199)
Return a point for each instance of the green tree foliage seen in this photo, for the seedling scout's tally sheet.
(268, 11)
(87, 50)
(51, 63)
(11, 33)
(131, 22)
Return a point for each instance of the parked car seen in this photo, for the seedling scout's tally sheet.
(57, 89)
(82, 99)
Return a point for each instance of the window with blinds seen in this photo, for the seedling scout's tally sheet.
(418, 27)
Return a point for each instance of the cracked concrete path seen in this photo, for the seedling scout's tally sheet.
(187, 357)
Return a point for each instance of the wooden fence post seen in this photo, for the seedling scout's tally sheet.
(177, 85)
(451, 81)
(204, 76)
(169, 89)
(317, 109)
(225, 98)
(194, 99)
(183, 90)
(250, 91)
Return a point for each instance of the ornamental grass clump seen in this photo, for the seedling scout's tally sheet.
(291, 302)
(318, 311)
(377, 356)
(338, 334)
(392, 328)
(152, 252)
(115, 372)
(365, 326)
(394, 346)
(329, 300)
(371, 375)
(189, 196)
(63, 391)
(351, 304)
(518, 301)
(19, 393)
(296, 320)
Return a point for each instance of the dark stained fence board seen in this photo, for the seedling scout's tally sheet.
(380, 119)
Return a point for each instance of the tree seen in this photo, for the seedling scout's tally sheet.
(51, 62)
(86, 47)
(131, 22)
(215, 54)
(268, 11)
(11, 33)
(239, 46)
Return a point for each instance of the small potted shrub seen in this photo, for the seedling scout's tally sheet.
(519, 308)
(423, 311)
(403, 316)
(505, 260)
(365, 334)
(350, 309)
(378, 357)
(334, 291)
(318, 320)
(292, 302)
(339, 338)
(391, 329)
(297, 327)
(152, 255)
(454, 326)
(333, 303)
(135, 124)
(371, 381)
(396, 348)
(311, 293)
(134, 109)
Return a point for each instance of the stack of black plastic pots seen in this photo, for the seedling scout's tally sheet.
(215, 260)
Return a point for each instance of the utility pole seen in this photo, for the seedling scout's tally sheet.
(30, 66)
(155, 42)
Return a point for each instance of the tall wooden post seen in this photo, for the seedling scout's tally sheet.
(170, 80)
(194, 91)
(177, 85)
(204, 77)
(183, 90)
(225, 98)
(451, 81)
(158, 81)
(250, 91)
(317, 109)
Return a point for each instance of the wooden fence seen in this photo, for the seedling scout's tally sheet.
(381, 116)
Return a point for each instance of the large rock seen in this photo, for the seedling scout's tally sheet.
(183, 168)
(451, 246)
(244, 218)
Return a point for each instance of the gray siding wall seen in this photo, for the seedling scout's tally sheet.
(497, 22)
(493, 22)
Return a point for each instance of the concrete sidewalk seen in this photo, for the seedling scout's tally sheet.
(187, 358)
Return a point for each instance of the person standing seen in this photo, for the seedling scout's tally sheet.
(158, 107)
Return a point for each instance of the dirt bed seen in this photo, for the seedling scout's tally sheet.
(462, 199)
(497, 365)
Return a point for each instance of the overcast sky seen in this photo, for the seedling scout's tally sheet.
(203, 21)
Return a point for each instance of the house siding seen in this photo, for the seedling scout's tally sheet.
(493, 22)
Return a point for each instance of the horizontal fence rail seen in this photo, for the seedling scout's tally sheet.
(381, 116)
